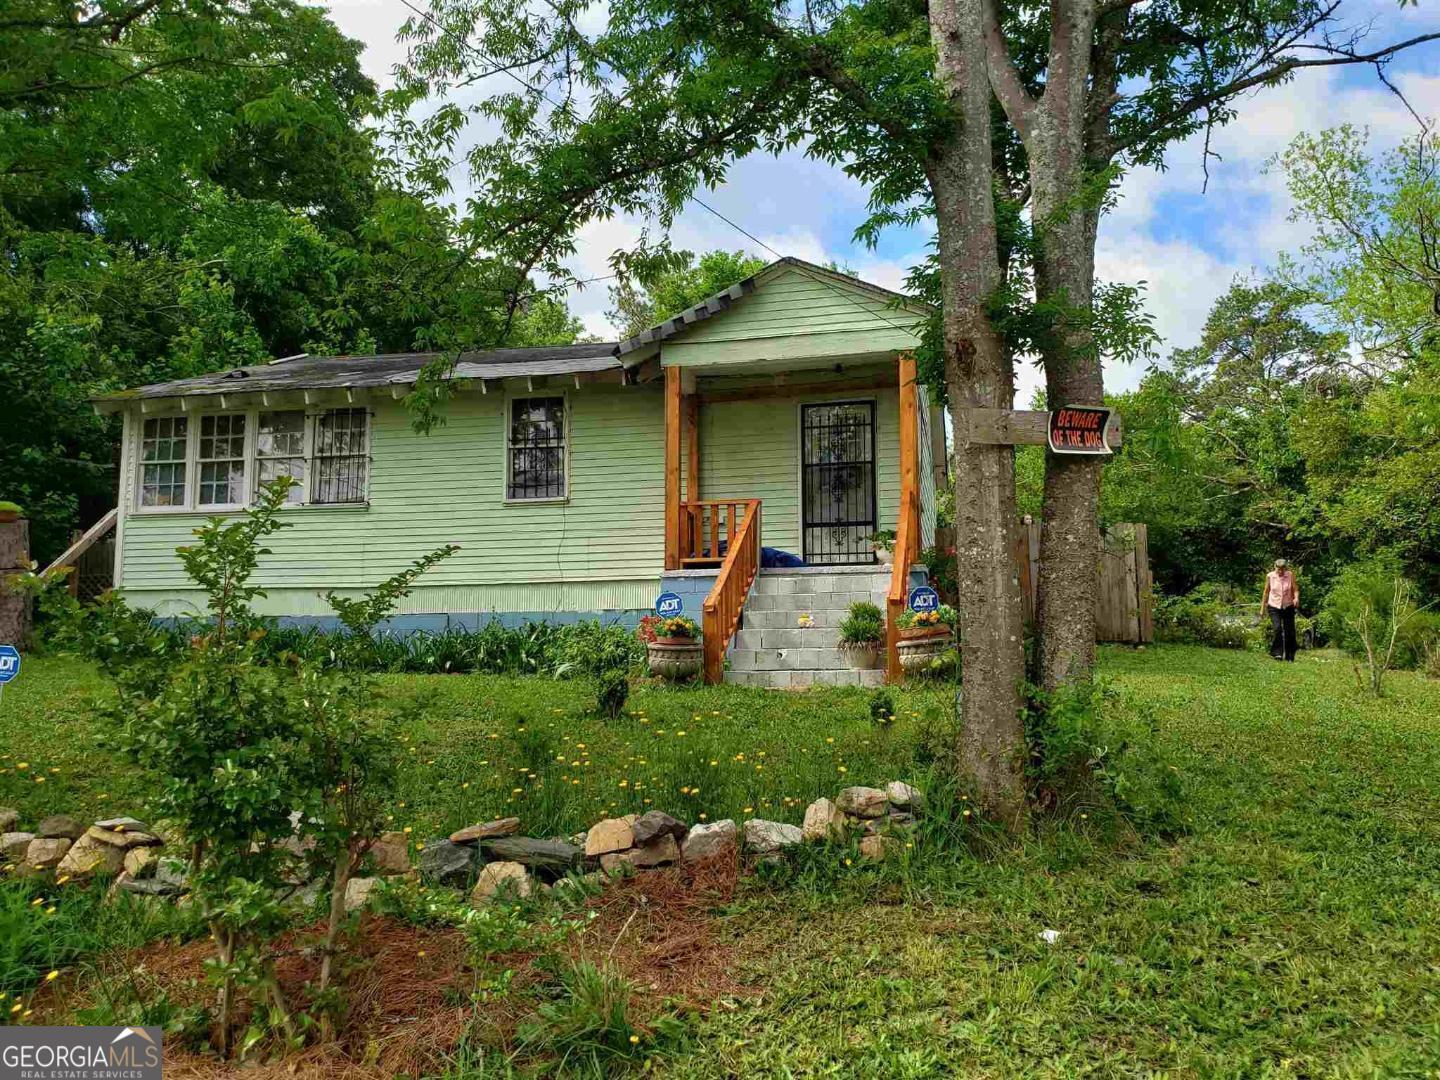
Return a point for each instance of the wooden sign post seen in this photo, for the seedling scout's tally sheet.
(1075, 429)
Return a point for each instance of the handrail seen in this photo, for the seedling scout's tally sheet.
(705, 524)
(907, 550)
(71, 555)
(727, 596)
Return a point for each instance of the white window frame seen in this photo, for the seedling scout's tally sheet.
(538, 395)
(193, 420)
(246, 455)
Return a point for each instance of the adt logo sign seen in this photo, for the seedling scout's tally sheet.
(924, 598)
(668, 605)
(9, 663)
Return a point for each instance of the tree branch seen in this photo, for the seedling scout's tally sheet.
(1019, 106)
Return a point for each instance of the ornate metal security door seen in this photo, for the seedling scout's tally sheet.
(837, 481)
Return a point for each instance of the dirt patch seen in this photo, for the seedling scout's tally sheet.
(409, 989)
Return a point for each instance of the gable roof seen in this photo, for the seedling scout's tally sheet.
(402, 369)
(726, 298)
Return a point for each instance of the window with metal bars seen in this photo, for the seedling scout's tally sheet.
(536, 466)
(163, 445)
(341, 456)
(221, 458)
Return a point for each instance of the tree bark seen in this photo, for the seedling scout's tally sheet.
(1065, 218)
(978, 373)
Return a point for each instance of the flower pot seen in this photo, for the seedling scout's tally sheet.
(885, 557)
(918, 653)
(674, 659)
(861, 657)
(7, 516)
(919, 633)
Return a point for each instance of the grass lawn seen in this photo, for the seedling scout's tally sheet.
(481, 747)
(1293, 930)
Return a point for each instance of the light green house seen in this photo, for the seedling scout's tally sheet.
(573, 478)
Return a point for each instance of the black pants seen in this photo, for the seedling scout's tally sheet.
(1282, 640)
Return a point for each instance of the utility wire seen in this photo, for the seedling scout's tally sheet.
(564, 107)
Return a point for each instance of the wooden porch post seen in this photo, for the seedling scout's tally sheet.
(907, 538)
(672, 468)
(692, 447)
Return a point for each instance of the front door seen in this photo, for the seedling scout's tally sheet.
(837, 481)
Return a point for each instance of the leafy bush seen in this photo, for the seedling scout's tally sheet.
(1083, 741)
(1212, 614)
(864, 625)
(587, 1023)
(1371, 586)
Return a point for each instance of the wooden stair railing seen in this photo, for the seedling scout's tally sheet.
(708, 530)
(726, 601)
(907, 550)
(71, 556)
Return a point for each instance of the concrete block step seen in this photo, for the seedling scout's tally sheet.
(823, 601)
(804, 680)
(752, 640)
(805, 584)
(785, 659)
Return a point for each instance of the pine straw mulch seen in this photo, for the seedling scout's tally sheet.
(408, 989)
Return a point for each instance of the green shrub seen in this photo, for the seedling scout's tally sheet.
(1212, 614)
(864, 624)
(587, 1022)
(1371, 586)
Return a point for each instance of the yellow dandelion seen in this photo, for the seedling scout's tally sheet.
(847, 862)
(39, 779)
(407, 830)
(16, 1008)
(22, 764)
(634, 1040)
(748, 810)
(52, 976)
(419, 847)
(704, 816)
(678, 734)
(516, 791)
(62, 879)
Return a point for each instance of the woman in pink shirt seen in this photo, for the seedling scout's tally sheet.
(1279, 601)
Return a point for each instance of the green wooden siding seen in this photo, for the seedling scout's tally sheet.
(603, 548)
(751, 450)
(795, 314)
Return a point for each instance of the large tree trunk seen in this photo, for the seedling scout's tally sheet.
(978, 373)
(1066, 217)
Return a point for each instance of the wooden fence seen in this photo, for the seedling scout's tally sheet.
(1123, 611)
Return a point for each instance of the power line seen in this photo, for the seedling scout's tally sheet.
(565, 107)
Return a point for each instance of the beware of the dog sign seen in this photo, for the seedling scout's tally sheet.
(1080, 429)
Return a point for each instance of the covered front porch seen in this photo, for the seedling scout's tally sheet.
(797, 467)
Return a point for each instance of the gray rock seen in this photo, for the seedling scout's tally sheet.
(658, 852)
(767, 837)
(446, 863)
(175, 872)
(612, 834)
(657, 823)
(862, 802)
(503, 879)
(13, 845)
(9, 818)
(391, 853)
(124, 835)
(708, 841)
(58, 826)
(878, 848)
(357, 892)
(151, 887)
(891, 822)
(140, 862)
(823, 821)
(486, 830)
(902, 796)
(552, 857)
(45, 853)
(90, 855)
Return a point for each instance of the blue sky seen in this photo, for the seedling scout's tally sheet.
(1185, 243)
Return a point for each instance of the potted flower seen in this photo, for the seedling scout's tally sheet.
(9, 511)
(924, 636)
(672, 646)
(884, 545)
(862, 635)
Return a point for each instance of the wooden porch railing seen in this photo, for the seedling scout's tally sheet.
(71, 556)
(907, 528)
(907, 550)
(708, 530)
(727, 597)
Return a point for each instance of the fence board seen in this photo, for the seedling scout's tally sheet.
(1123, 610)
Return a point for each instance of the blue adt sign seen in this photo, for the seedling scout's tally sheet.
(9, 663)
(668, 605)
(924, 598)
